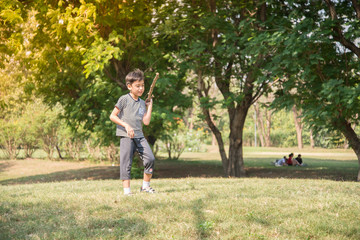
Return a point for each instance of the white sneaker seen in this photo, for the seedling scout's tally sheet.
(147, 190)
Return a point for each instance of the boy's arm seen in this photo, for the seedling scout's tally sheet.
(114, 117)
(147, 116)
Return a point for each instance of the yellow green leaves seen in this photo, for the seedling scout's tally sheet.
(100, 53)
(11, 16)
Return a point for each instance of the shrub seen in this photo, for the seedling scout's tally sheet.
(93, 149)
(48, 131)
(30, 126)
(72, 142)
(112, 153)
(179, 139)
(10, 137)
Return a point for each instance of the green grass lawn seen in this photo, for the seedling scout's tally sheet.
(41, 199)
(188, 208)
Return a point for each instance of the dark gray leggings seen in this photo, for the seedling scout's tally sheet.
(128, 146)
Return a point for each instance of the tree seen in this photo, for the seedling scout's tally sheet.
(10, 138)
(321, 61)
(48, 131)
(16, 131)
(227, 43)
(81, 52)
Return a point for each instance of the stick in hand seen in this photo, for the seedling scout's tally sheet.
(152, 88)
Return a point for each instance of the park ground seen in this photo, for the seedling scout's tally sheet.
(43, 199)
(336, 164)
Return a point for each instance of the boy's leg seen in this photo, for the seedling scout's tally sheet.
(147, 177)
(146, 181)
(126, 187)
(148, 159)
(127, 149)
(146, 156)
(126, 183)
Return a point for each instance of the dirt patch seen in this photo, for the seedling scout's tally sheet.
(180, 170)
(5, 165)
(39, 171)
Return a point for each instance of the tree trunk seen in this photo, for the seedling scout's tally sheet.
(298, 127)
(236, 160)
(268, 123)
(58, 150)
(353, 139)
(312, 142)
(260, 124)
(346, 144)
(189, 122)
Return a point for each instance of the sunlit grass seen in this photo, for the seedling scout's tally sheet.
(215, 208)
(284, 207)
(274, 153)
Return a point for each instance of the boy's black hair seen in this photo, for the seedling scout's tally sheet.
(133, 76)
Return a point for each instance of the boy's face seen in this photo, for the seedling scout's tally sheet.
(137, 88)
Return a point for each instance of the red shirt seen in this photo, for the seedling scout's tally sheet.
(289, 161)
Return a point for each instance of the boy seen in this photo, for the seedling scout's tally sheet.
(129, 114)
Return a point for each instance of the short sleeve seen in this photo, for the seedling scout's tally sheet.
(121, 103)
(145, 107)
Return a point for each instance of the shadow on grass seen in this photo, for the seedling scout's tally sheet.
(53, 220)
(92, 173)
(203, 227)
(259, 168)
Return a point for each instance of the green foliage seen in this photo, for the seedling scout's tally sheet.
(329, 139)
(30, 124)
(320, 74)
(10, 137)
(93, 148)
(71, 142)
(100, 53)
(11, 17)
(12, 79)
(85, 51)
(179, 138)
(48, 131)
(77, 54)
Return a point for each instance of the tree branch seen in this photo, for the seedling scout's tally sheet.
(120, 83)
(356, 6)
(202, 92)
(338, 35)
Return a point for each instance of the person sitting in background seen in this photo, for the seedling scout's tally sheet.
(299, 160)
(293, 161)
(281, 162)
(289, 161)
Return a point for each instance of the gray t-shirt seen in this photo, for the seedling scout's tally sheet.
(131, 112)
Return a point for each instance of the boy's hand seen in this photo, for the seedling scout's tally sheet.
(130, 131)
(149, 102)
